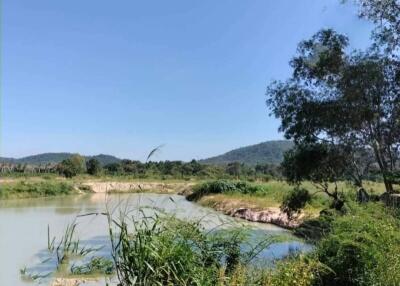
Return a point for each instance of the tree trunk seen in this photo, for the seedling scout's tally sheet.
(382, 167)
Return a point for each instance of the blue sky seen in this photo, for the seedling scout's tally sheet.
(121, 77)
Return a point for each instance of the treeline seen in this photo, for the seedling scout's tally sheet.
(76, 165)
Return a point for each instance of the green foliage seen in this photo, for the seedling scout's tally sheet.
(346, 99)
(362, 247)
(298, 271)
(319, 163)
(295, 200)
(93, 166)
(35, 189)
(96, 265)
(222, 187)
(385, 15)
(72, 166)
(315, 229)
(168, 251)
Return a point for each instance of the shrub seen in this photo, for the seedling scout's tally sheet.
(37, 189)
(93, 166)
(299, 271)
(362, 247)
(295, 200)
(168, 251)
(220, 187)
(72, 166)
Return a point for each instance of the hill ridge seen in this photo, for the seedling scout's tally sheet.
(56, 157)
(265, 152)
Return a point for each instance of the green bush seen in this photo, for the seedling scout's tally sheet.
(295, 201)
(93, 166)
(37, 189)
(96, 265)
(72, 166)
(362, 247)
(297, 271)
(168, 251)
(222, 187)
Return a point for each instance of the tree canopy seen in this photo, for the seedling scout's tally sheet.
(341, 98)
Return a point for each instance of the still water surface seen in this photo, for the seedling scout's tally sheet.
(24, 222)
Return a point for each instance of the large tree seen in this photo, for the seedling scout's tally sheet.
(72, 166)
(385, 14)
(339, 98)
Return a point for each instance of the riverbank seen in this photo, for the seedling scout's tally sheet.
(260, 202)
(248, 209)
(34, 187)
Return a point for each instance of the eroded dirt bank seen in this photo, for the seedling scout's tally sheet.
(272, 215)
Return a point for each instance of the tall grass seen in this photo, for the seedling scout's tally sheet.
(24, 189)
(163, 250)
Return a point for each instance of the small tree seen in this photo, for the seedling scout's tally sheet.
(72, 166)
(93, 166)
(234, 169)
(114, 168)
(321, 164)
(295, 201)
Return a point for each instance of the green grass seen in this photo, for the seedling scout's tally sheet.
(359, 248)
(224, 195)
(163, 250)
(34, 189)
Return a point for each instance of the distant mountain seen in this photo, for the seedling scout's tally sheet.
(46, 158)
(267, 152)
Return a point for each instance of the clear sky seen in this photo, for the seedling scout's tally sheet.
(121, 77)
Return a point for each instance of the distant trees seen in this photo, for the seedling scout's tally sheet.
(93, 166)
(75, 165)
(340, 99)
(72, 166)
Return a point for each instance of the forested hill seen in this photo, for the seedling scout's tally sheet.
(267, 152)
(46, 158)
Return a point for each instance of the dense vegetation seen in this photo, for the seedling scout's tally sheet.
(35, 189)
(78, 165)
(359, 247)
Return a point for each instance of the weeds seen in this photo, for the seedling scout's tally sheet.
(24, 189)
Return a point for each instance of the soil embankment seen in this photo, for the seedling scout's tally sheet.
(272, 215)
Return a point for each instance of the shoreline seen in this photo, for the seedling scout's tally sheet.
(272, 215)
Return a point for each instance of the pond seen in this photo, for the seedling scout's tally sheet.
(24, 227)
